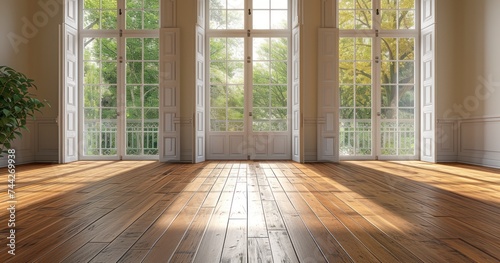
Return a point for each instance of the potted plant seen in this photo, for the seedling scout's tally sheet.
(17, 104)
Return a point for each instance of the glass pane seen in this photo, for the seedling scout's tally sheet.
(261, 19)
(363, 19)
(235, 96)
(346, 48)
(261, 96)
(407, 19)
(389, 48)
(261, 4)
(363, 72)
(151, 72)
(134, 48)
(151, 19)
(134, 4)
(346, 96)
(235, 19)
(389, 96)
(235, 49)
(406, 49)
(236, 4)
(261, 74)
(389, 73)
(91, 96)
(279, 4)
(151, 96)
(279, 19)
(406, 72)
(134, 98)
(364, 49)
(363, 96)
(134, 20)
(217, 96)
(151, 49)
(261, 49)
(389, 18)
(109, 19)
(346, 72)
(218, 19)
(346, 19)
(279, 96)
(109, 96)
(406, 96)
(134, 72)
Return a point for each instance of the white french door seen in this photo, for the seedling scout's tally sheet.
(248, 80)
(378, 51)
(120, 79)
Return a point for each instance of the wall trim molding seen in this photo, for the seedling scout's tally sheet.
(469, 140)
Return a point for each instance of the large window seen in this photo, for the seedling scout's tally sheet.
(248, 69)
(378, 78)
(120, 83)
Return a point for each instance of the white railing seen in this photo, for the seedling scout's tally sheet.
(397, 138)
(101, 137)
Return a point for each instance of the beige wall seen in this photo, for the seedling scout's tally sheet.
(34, 53)
(11, 13)
(448, 58)
(480, 58)
(311, 19)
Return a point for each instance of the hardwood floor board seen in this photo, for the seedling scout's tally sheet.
(119, 246)
(239, 208)
(304, 244)
(189, 244)
(211, 245)
(281, 247)
(166, 245)
(381, 245)
(256, 218)
(274, 221)
(149, 238)
(83, 254)
(134, 255)
(235, 244)
(330, 247)
(266, 193)
(259, 250)
(472, 252)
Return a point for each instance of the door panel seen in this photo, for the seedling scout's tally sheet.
(356, 96)
(248, 98)
(398, 108)
(387, 127)
(100, 97)
(142, 96)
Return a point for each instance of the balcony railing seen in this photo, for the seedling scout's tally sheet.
(396, 137)
(101, 137)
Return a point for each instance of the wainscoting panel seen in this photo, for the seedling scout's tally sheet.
(478, 141)
(447, 140)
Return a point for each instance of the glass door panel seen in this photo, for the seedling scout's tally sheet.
(142, 96)
(356, 96)
(398, 108)
(100, 100)
(226, 104)
(270, 85)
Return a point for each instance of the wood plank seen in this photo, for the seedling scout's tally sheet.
(259, 250)
(281, 247)
(83, 254)
(235, 245)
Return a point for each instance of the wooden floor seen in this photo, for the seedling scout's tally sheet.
(254, 212)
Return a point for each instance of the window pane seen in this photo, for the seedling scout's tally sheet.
(261, 19)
